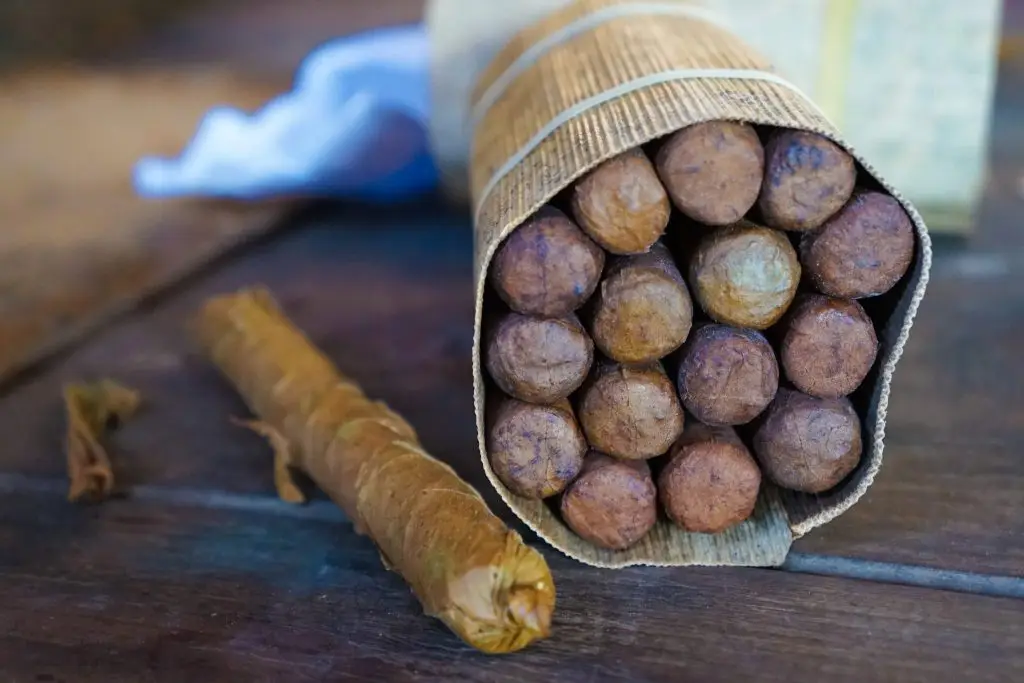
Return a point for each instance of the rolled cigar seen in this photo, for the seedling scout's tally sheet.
(807, 178)
(745, 275)
(713, 170)
(463, 563)
(539, 360)
(613, 503)
(711, 481)
(621, 204)
(547, 267)
(808, 444)
(630, 411)
(863, 250)
(828, 345)
(727, 376)
(535, 450)
(642, 311)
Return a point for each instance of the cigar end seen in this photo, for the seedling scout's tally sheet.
(504, 607)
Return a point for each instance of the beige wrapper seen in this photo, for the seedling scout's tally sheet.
(612, 75)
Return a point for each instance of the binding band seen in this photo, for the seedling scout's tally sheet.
(530, 55)
(624, 89)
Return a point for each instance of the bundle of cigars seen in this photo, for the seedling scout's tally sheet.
(690, 292)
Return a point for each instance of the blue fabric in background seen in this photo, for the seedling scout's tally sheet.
(353, 126)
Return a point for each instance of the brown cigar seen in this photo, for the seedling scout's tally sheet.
(539, 360)
(630, 412)
(612, 503)
(713, 170)
(808, 444)
(745, 275)
(547, 267)
(807, 178)
(863, 250)
(642, 309)
(535, 450)
(727, 376)
(828, 345)
(621, 204)
(711, 481)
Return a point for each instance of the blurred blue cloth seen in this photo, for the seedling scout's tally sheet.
(353, 126)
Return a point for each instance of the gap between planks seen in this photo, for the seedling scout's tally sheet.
(322, 510)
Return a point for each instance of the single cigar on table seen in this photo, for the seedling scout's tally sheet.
(745, 275)
(536, 450)
(613, 503)
(808, 444)
(547, 266)
(463, 563)
(540, 360)
(726, 375)
(642, 310)
(861, 251)
(711, 481)
(828, 345)
(621, 204)
(807, 178)
(630, 411)
(712, 171)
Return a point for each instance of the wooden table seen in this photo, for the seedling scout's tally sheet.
(200, 574)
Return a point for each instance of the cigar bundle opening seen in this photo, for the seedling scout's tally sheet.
(690, 322)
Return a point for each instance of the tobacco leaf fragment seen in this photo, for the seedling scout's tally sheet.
(91, 409)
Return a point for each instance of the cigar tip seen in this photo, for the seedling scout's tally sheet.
(530, 607)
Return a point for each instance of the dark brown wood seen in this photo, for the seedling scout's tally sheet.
(134, 591)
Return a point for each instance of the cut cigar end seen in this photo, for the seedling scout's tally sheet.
(745, 275)
(539, 360)
(863, 250)
(630, 411)
(642, 311)
(807, 178)
(613, 503)
(503, 608)
(547, 266)
(711, 481)
(808, 444)
(713, 170)
(828, 346)
(622, 204)
(535, 450)
(727, 376)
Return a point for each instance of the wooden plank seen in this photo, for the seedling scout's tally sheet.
(151, 592)
(78, 246)
(386, 293)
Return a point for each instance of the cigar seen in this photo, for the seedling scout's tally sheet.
(807, 178)
(612, 503)
(711, 481)
(621, 204)
(745, 275)
(808, 444)
(463, 563)
(630, 411)
(712, 171)
(863, 250)
(535, 450)
(538, 360)
(547, 266)
(642, 311)
(727, 376)
(828, 345)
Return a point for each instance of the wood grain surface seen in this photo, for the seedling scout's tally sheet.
(154, 591)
